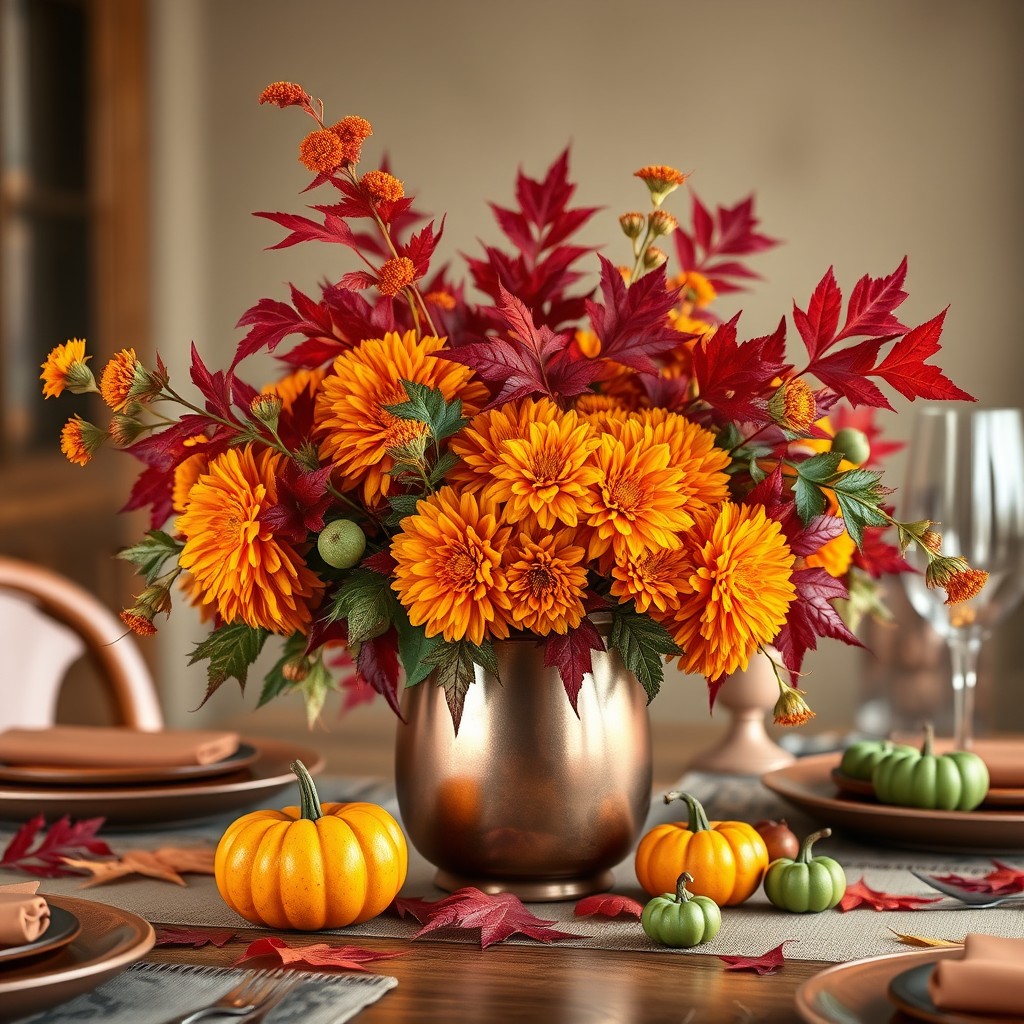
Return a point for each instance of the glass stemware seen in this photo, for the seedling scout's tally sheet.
(965, 473)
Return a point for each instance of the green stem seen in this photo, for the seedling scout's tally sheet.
(698, 820)
(804, 857)
(682, 896)
(308, 798)
(929, 740)
(633, 276)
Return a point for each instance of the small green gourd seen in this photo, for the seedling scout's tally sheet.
(681, 920)
(807, 884)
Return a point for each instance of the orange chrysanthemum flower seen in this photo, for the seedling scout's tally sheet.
(119, 379)
(442, 299)
(636, 503)
(546, 473)
(187, 472)
(651, 580)
(352, 132)
(546, 583)
(65, 368)
(834, 556)
(792, 406)
(250, 575)
(660, 174)
(290, 387)
(382, 186)
(449, 575)
(79, 440)
(738, 588)
(284, 94)
(480, 443)
(397, 273)
(322, 151)
(357, 433)
(694, 288)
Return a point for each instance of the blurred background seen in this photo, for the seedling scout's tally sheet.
(134, 152)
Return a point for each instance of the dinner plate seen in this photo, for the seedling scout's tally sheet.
(57, 775)
(857, 992)
(111, 939)
(909, 991)
(62, 929)
(177, 803)
(807, 784)
(996, 797)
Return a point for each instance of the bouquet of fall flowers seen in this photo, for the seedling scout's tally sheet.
(431, 473)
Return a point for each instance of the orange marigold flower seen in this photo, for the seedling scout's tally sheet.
(284, 94)
(322, 151)
(962, 586)
(138, 624)
(352, 132)
(791, 708)
(792, 406)
(396, 274)
(737, 591)
(449, 575)
(355, 429)
(696, 289)
(650, 580)
(660, 174)
(636, 503)
(444, 300)
(79, 440)
(187, 472)
(65, 368)
(382, 186)
(119, 379)
(547, 472)
(546, 583)
(834, 556)
(298, 382)
(240, 566)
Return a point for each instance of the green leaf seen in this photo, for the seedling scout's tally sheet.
(276, 682)
(454, 672)
(314, 689)
(402, 505)
(367, 604)
(819, 468)
(642, 644)
(231, 650)
(428, 405)
(859, 493)
(810, 499)
(148, 556)
(757, 474)
(414, 648)
(443, 464)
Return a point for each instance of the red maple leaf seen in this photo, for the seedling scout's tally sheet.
(766, 963)
(811, 615)
(877, 557)
(570, 652)
(872, 301)
(194, 937)
(270, 322)
(607, 904)
(859, 894)
(904, 368)
(498, 917)
(304, 229)
(817, 326)
(1005, 878)
(377, 665)
(319, 954)
(302, 500)
(65, 838)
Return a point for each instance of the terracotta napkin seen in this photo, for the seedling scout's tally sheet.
(24, 916)
(989, 978)
(1005, 762)
(86, 746)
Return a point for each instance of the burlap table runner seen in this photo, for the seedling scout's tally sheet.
(747, 930)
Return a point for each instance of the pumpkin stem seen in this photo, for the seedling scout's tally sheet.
(929, 739)
(804, 857)
(682, 896)
(698, 821)
(309, 801)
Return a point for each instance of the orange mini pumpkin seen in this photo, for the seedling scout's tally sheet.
(726, 858)
(313, 866)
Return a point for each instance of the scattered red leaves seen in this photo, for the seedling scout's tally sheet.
(194, 937)
(859, 894)
(607, 904)
(766, 963)
(65, 838)
(1003, 880)
(320, 954)
(498, 917)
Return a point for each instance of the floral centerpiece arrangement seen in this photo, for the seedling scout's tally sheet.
(432, 472)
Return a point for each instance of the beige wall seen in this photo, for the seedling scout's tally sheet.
(869, 130)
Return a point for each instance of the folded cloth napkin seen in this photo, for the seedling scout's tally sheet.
(23, 915)
(91, 746)
(1005, 762)
(989, 978)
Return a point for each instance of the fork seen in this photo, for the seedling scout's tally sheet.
(248, 995)
(979, 900)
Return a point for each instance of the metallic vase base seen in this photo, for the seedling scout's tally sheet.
(531, 890)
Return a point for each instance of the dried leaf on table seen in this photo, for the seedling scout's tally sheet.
(194, 937)
(607, 904)
(320, 954)
(766, 963)
(1004, 880)
(859, 894)
(924, 940)
(166, 864)
(65, 838)
(498, 917)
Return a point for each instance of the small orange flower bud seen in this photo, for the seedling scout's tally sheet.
(79, 440)
(285, 94)
(267, 408)
(120, 378)
(962, 586)
(632, 224)
(352, 131)
(124, 429)
(654, 257)
(138, 624)
(322, 151)
(791, 708)
(382, 186)
(663, 223)
(932, 541)
(395, 275)
(792, 407)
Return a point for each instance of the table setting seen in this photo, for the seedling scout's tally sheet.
(504, 517)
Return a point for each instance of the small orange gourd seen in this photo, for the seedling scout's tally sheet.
(314, 866)
(728, 858)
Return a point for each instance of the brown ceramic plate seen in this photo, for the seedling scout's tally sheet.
(63, 928)
(62, 775)
(177, 803)
(858, 992)
(807, 784)
(110, 940)
(849, 786)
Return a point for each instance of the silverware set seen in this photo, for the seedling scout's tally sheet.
(251, 999)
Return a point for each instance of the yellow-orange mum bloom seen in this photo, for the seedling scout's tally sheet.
(240, 567)
(737, 591)
(322, 151)
(383, 186)
(636, 503)
(479, 444)
(284, 94)
(449, 575)
(357, 433)
(397, 273)
(694, 288)
(352, 132)
(65, 367)
(188, 471)
(118, 379)
(546, 583)
(546, 473)
(650, 580)
(792, 406)
(79, 440)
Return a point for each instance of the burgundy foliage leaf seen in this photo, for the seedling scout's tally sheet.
(608, 905)
(319, 954)
(65, 838)
(905, 369)
(380, 562)
(859, 894)
(194, 937)
(302, 500)
(877, 557)
(166, 448)
(357, 280)
(805, 540)
(872, 301)
(846, 373)
(153, 488)
(270, 322)
(214, 387)
(766, 963)
(818, 325)
(303, 229)
(570, 652)
(377, 664)
(811, 616)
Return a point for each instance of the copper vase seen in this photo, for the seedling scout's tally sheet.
(528, 798)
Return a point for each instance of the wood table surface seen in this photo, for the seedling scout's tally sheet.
(445, 982)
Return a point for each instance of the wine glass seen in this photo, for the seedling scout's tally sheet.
(965, 472)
